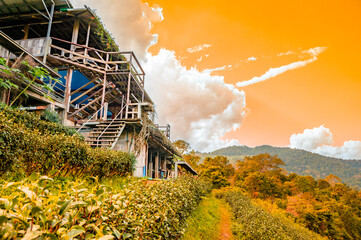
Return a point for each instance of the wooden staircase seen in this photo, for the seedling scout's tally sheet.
(106, 134)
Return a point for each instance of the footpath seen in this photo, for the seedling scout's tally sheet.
(210, 221)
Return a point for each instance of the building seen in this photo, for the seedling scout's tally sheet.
(101, 89)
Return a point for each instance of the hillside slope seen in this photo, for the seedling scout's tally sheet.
(301, 162)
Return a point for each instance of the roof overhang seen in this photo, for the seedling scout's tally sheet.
(186, 166)
(15, 7)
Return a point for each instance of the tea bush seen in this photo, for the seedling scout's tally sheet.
(28, 145)
(34, 121)
(46, 208)
(252, 222)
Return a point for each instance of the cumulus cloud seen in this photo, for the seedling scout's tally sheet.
(200, 108)
(273, 72)
(319, 140)
(198, 48)
(251, 59)
(129, 21)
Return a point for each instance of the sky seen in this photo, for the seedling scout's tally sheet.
(282, 73)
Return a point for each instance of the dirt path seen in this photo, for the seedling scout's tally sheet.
(225, 230)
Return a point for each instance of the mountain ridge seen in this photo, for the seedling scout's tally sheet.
(300, 161)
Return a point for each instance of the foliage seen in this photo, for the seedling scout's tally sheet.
(46, 208)
(34, 121)
(192, 159)
(301, 162)
(182, 146)
(50, 116)
(217, 170)
(204, 222)
(23, 76)
(28, 146)
(251, 222)
(324, 206)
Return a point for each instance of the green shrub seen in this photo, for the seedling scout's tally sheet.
(28, 146)
(50, 116)
(34, 121)
(44, 208)
(252, 222)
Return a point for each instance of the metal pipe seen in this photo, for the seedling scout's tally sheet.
(47, 47)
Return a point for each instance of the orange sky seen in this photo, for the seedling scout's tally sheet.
(326, 91)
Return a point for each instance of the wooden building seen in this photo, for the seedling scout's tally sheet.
(101, 89)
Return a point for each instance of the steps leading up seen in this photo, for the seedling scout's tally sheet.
(106, 134)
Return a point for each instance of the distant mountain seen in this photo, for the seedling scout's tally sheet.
(300, 162)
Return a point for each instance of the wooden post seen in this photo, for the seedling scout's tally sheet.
(26, 31)
(150, 168)
(69, 78)
(157, 165)
(105, 114)
(175, 170)
(128, 90)
(103, 95)
(74, 38)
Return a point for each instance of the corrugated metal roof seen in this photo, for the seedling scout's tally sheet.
(13, 7)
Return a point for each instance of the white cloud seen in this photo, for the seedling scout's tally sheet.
(202, 57)
(273, 72)
(285, 53)
(251, 59)
(200, 108)
(129, 21)
(310, 139)
(198, 48)
(211, 70)
(319, 140)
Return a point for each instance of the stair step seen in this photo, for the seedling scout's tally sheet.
(115, 121)
(111, 125)
(99, 144)
(102, 137)
(104, 132)
(100, 140)
(107, 130)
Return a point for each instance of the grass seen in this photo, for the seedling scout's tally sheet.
(204, 222)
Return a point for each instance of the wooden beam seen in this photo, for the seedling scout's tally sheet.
(89, 90)
(26, 31)
(85, 106)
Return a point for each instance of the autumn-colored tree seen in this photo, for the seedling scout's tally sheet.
(182, 146)
(264, 163)
(217, 170)
(332, 179)
(261, 185)
(192, 159)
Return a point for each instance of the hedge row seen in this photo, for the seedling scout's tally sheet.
(41, 208)
(33, 121)
(33, 147)
(252, 222)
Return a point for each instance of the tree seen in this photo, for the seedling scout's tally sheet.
(192, 159)
(182, 146)
(264, 163)
(217, 170)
